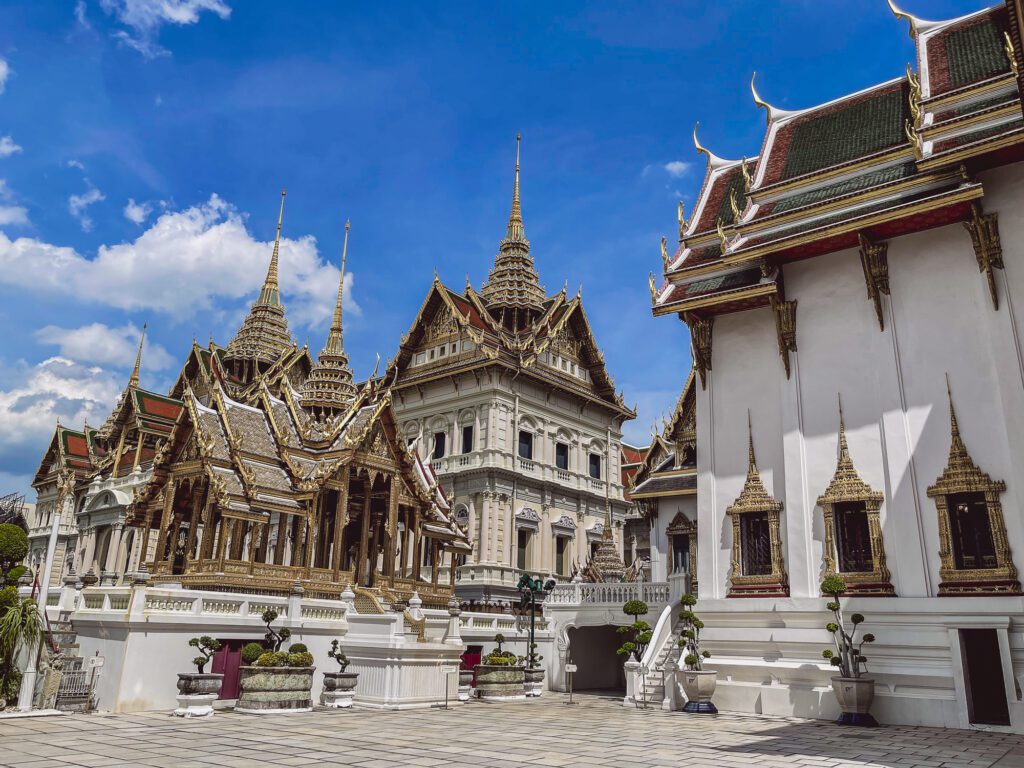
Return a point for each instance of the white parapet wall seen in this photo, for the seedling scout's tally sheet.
(141, 634)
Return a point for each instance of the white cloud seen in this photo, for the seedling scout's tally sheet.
(99, 343)
(5, 72)
(38, 395)
(186, 261)
(8, 147)
(145, 18)
(78, 205)
(10, 215)
(676, 168)
(137, 212)
(76, 164)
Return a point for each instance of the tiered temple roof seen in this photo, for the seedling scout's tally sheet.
(892, 159)
(510, 323)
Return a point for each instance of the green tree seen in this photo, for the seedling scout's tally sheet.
(848, 654)
(639, 632)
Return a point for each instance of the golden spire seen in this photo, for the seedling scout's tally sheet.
(336, 325)
(133, 381)
(751, 461)
(271, 293)
(515, 230)
(957, 446)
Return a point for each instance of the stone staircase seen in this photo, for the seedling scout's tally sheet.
(653, 689)
(75, 690)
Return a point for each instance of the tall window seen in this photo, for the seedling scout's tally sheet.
(680, 552)
(755, 544)
(562, 456)
(438, 445)
(522, 549)
(595, 465)
(971, 529)
(561, 548)
(853, 538)
(525, 444)
(467, 438)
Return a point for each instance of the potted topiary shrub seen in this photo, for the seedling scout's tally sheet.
(854, 692)
(198, 690)
(277, 681)
(533, 675)
(639, 635)
(339, 687)
(501, 676)
(698, 683)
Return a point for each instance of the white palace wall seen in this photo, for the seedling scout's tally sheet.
(939, 320)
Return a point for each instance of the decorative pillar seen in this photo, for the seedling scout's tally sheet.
(392, 530)
(485, 528)
(113, 551)
(340, 521)
(416, 555)
(364, 534)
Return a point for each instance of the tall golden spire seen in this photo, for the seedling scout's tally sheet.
(271, 292)
(515, 229)
(329, 388)
(512, 290)
(133, 381)
(264, 334)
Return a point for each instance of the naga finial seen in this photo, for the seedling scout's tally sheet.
(681, 218)
(664, 252)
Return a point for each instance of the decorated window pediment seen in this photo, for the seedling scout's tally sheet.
(853, 532)
(757, 565)
(974, 553)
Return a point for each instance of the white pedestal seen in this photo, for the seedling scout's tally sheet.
(337, 699)
(196, 705)
(535, 689)
(464, 692)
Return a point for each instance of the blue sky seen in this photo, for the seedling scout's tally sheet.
(143, 144)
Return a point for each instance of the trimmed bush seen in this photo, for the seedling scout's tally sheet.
(298, 648)
(302, 659)
(251, 652)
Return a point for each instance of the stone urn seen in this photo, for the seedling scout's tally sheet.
(699, 687)
(499, 682)
(855, 695)
(465, 684)
(534, 681)
(339, 689)
(196, 693)
(275, 690)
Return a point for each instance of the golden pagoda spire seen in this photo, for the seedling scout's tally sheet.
(512, 290)
(271, 292)
(133, 381)
(329, 388)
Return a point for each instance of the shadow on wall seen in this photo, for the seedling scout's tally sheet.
(598, 667)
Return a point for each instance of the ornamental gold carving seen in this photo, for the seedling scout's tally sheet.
(785, 328)
(875, 263)
(962, 475)
(700, 341)
(988, 249)
(442, 326)
(848, 487)
(754, 498)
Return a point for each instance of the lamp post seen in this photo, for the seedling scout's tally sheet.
(529, 591)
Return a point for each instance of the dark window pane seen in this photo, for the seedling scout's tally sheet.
(755, 544)
(680, 552)
(522, 542)
(467, 438)
(438, 445)
(562, 456)
(526, 444)
(595, 465)
(971, 530)
(853, 538)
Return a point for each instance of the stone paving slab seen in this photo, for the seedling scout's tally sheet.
(597, 733)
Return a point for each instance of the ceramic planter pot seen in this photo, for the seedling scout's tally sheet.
(339, 689)
(465, 684)
(268, 690)
(699, 687)
(196, 693)
(534, 681)
(855, 695)
(500, 683)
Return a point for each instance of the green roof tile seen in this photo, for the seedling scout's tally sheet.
(864, 181)
(870, 125)
(976, 53)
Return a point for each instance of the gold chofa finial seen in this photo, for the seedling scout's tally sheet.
(134, 380)
(899, 13)
(696, 142)
(651, 286)
(757, 98)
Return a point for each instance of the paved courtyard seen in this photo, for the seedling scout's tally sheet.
(597, 732)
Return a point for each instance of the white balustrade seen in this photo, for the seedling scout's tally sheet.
(609, 593)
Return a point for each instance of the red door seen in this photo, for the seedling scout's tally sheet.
(226, 662)
(471, 658)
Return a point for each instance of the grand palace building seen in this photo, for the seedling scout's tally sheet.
(853, 296)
